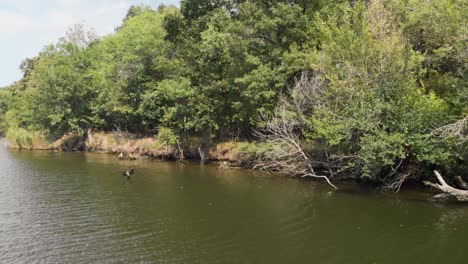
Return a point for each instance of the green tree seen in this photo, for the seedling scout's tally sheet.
(4, 101)
(127, 65)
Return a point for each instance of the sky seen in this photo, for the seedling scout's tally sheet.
(26, 26)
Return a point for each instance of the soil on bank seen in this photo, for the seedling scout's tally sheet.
(130, 146)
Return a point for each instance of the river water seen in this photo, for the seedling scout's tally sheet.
(76, 208)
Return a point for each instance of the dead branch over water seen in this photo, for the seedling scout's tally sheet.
(286, 153)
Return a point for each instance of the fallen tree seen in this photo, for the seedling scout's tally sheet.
(449, 191)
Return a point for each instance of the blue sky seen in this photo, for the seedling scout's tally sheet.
(26, 26)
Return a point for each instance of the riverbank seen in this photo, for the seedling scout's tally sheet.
(232, 154)
(130, 146)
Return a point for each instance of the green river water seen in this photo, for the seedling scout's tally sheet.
(76, 208)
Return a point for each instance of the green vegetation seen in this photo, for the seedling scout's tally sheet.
(367, 89)
(26, 139)
(4, 99)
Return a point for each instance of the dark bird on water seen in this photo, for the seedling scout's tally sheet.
(128, 173)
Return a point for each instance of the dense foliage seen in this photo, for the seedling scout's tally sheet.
(390, 72)
(4, 99)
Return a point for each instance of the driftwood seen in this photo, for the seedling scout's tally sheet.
(448, 191)
(180, 155)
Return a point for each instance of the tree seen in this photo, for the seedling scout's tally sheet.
(286, 151)
(370, 117)
(4, 101)
(127, 65)
(61, 92)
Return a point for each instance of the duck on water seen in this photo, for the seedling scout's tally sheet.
(128, 173)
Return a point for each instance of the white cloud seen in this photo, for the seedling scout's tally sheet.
(58, 20)
(12, 23)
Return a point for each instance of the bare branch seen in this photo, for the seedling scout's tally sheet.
(282, 131)
(203, 156)
(395, 184)
(457, 130)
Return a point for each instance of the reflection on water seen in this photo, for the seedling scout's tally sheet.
(76, 208)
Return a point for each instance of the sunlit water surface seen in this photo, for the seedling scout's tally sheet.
(76, 208)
